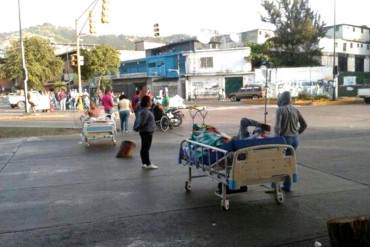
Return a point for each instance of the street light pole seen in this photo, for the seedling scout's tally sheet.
(78, 58)
(25, 71)
(334, 51)
(266, 87)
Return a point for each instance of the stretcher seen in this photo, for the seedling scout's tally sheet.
(101, 129)
(238, 164)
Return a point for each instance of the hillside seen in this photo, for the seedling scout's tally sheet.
(67, 35)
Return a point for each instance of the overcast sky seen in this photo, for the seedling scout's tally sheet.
(174, 16)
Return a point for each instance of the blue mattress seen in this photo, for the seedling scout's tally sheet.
(195, 158)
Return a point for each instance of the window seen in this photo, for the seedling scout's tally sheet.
(337, 28)
(358, 45)
(351, 45)
(362, 45)
(362, 30)
(206, 62)
(354, 29)
(368, 47)
(344, 46)
(336, 44)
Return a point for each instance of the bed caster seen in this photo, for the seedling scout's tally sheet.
(225, 204)
(187, 186)
(279, 194)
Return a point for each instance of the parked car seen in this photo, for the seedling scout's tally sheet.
(41, 101)
(248, 92)
(365, 94)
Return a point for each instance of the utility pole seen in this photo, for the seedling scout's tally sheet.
(78, 33)
(25, 71)
(78, 58)
(334, 51)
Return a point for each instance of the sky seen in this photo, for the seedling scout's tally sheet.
(136, 17)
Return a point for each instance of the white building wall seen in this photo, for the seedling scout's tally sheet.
(204, 86)
(354, 33)
(351, 63)
(358, 48)
(294, 80)
(224, 61)
(367, 64)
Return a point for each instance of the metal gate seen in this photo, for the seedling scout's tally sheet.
(233, 84)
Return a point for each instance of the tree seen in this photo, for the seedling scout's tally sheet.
(298, 32)
(259, 53)
(42, 64)
(100, 61)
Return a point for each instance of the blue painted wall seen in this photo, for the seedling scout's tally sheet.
(156, 66)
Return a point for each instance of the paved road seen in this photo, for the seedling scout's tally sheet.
(54, 192)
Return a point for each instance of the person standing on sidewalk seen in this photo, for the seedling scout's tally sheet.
(124, 108)
(62, 99)
(289, 124)
(146, 127)
(107, 101)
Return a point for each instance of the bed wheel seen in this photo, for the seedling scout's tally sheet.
(279, 194)
(225, 204)
(187, 186)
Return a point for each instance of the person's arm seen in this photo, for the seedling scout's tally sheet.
(131, 108)
(302, 123)
(278, 122)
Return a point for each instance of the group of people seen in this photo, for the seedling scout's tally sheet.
(289, 121)
(64, 100)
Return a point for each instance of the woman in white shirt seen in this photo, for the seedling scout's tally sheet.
(124, 108)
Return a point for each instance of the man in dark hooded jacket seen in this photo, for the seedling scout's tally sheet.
(289, 124)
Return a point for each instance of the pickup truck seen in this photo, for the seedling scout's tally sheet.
(365, 94)
(41, 101)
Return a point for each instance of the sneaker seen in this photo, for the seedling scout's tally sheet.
(144, 166)
(151, 167)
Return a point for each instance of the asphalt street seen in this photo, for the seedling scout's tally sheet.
(56, 192)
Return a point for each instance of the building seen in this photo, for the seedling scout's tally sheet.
(187, 68)
(209, 70)
(143, 45)
(156, 72)
(257, 36)
(352, 48)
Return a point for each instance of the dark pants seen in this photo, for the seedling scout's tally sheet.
(108, 111)
(123, 115)
(146, 142)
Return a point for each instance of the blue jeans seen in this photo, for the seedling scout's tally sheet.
(294, 142)
(123, 115)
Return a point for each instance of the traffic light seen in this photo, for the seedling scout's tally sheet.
(104, 12)
(91, 23)
(156, 30)
(74, 59)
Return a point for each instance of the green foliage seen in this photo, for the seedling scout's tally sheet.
(42, 64)
(105, 84)
(100, 61)
(2, 72)
(297, 34)
(259, 53)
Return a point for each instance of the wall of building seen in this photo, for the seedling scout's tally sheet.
(348, 32)
(294, 80)
(358, 48)
(224, 61)
(145, 45)
(126, 55)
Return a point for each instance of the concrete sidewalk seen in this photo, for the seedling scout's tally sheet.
(55, 192)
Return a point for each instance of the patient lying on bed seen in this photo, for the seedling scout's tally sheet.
(251, 129)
